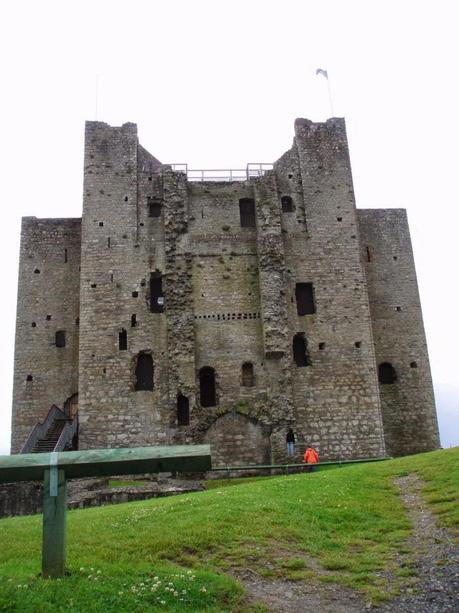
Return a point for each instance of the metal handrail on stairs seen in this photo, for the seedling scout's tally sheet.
(42, 428)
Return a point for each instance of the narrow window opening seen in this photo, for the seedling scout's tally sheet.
(34, 325)
(126, 198)
(60, 338)
(135, 294)
(247, 212)
(133, 320)
(339, 219)
(77, 321)
(108, 242)
(290, 176)
(93, 285)
(413, 365)
(300, 350)
(287, 204)
(358, 344)
(321, 346)
(304, 293)
(66, 256)
(398, 309)
(207, 387)
(368, 254)
(154, 207)
(48, 318)
(183, 410)
(37, 271)
(156, 292)
(101, 224)
(248, 379)
(122, 340)
(150, 178)
(386, 373)
(29, 378)
(395, 257)
(144, 372)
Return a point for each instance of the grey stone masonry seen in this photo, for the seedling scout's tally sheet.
(225, 311)
(408, 406)
(48, 302)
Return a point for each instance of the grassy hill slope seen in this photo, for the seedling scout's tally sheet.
(176, 554)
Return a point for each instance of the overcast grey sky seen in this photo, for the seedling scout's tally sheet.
(219, 84)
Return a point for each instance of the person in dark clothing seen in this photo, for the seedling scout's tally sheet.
(290, 439)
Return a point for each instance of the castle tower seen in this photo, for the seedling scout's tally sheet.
(227, 311)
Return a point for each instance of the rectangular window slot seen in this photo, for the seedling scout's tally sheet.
(304, 293)
(156, 293)
(154, 207)
(122, 340)
(247, 212)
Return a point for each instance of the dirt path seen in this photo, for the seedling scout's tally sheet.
(432, 555)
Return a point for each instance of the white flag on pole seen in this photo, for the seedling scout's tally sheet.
(322, 72)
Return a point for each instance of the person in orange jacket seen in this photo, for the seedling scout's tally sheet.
(311, 457)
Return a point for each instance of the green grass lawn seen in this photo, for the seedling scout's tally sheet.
(175, 553)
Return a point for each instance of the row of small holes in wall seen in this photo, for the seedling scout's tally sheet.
(48, 318)
(229, 316)
(357, 344)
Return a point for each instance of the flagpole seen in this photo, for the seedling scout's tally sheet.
(324, 73)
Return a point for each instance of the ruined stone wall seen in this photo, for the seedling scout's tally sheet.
(408, 405)
(227, 320)
(122, 245)
(48, 301)
(336, 397)
(229, 300)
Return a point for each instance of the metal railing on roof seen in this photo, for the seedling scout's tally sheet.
(251, 171)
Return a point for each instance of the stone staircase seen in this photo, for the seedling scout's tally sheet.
(49, 441)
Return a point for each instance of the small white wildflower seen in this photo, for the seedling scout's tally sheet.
(203, 589)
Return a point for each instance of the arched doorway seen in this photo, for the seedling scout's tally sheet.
(71, 406)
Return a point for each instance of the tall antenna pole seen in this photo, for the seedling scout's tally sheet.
(330, 98)
(97, 96)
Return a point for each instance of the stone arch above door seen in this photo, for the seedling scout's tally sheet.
(237, 440)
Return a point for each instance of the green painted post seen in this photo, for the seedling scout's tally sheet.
(54, 515)
(56, 467)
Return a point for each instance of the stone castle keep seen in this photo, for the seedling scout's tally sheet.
(222, 311)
